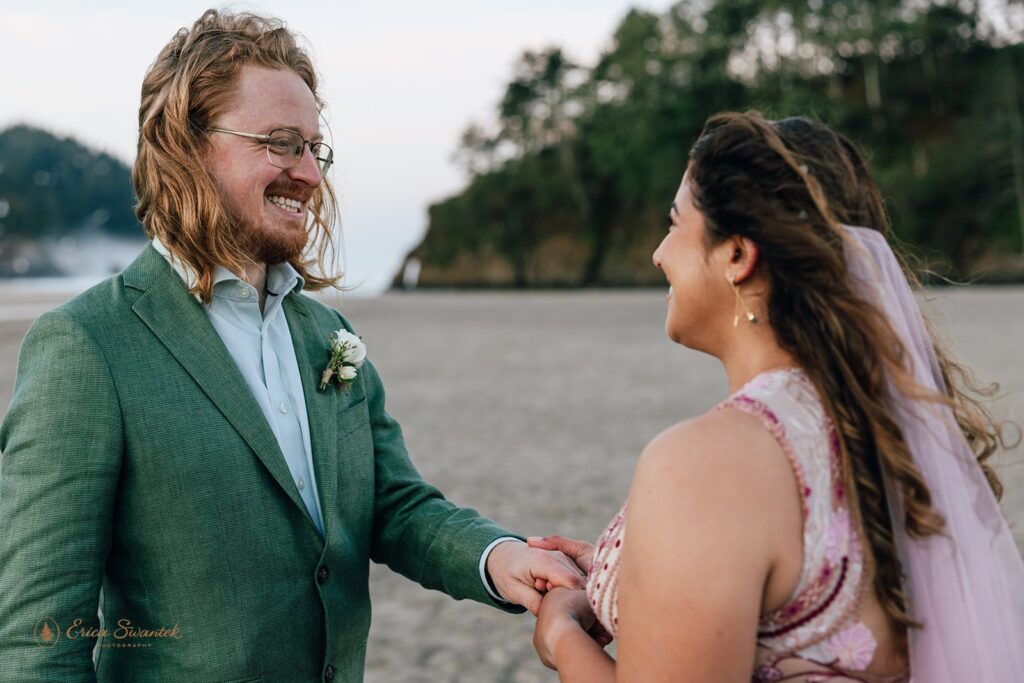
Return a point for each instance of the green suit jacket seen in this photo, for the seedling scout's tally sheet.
(136, 459)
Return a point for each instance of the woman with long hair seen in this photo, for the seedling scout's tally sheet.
(832, 519)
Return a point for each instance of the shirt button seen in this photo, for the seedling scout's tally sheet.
(329, 673)
(283, 408)
(302, 484)
(321, 576)
(243, 292)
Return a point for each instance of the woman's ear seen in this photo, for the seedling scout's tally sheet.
(742, 259)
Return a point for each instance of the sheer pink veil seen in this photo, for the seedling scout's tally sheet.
(966, 586)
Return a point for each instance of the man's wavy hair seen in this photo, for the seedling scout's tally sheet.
(190, 83)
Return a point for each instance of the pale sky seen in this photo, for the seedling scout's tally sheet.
(402, 80)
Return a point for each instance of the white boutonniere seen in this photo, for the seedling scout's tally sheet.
(347, 355)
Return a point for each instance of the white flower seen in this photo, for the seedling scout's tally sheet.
(355, 353)
(347, 354)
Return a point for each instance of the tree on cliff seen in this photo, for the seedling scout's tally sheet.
(50, 186)
(570, 182)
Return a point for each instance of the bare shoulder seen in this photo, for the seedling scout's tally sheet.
(722, 471)
(704, 525)
(723, 443)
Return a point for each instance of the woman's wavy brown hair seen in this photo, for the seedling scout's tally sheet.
(788, 186)
(190, 83)
(855, 199)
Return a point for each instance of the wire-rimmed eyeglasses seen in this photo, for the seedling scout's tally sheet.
(285, 147)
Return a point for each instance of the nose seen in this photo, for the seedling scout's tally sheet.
(656, 257)
(306, 170)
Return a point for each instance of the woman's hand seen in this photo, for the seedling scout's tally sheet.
(581, 552)
(562, 611)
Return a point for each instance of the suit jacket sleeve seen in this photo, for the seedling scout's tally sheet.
(416, 531)
(62, 442)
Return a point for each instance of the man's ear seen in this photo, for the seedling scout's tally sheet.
(743, 258)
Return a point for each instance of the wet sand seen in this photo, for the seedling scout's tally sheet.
(532, 409)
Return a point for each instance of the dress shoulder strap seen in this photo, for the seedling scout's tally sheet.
(829, 590)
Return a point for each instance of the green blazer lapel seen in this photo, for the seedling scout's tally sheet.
(176, 318)
(321, 406)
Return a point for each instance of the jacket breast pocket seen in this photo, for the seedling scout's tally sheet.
(356, 479)
(353, 418)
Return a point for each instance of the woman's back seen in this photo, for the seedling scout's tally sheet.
(829, 620)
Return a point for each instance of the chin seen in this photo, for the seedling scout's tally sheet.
(681, 334)
(275, 244)
(276, 250)
(672, 332)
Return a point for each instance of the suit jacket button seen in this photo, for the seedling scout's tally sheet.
(329, 673)
(321, 576)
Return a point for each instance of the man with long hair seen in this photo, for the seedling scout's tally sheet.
(204, 443)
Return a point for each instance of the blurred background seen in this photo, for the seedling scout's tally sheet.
(535, 145)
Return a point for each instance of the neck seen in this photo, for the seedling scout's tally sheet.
(753, 350)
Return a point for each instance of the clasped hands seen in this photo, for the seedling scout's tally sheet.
(547, 576)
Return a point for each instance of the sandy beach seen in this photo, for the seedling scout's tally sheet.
(532, 408)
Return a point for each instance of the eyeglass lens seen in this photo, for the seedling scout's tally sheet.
(285, 148)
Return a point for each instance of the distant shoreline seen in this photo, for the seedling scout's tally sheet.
(71, 285)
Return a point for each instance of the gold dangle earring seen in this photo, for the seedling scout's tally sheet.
(740, 302)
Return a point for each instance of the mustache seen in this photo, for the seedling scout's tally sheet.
(294, 191)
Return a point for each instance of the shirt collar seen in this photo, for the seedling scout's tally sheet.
(282, 278)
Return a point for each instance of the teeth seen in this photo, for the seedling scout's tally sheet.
(285, 202)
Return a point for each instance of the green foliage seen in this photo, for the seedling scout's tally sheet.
(50, 186)
(928, 88)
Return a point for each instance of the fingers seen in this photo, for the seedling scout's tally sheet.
(569, 546)
(521, 594)
(543, 586)
(521, 573)
(545, 542)
(581, 552)
(560, 570)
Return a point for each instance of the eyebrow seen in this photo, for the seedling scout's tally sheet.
(318, 137)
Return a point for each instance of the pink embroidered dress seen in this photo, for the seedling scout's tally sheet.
(818, 625)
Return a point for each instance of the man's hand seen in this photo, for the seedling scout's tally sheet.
(581, 552)
(521, 573)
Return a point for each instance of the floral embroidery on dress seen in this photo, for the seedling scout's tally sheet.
(853, 647)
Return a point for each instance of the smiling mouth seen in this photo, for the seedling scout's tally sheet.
(288, 204)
